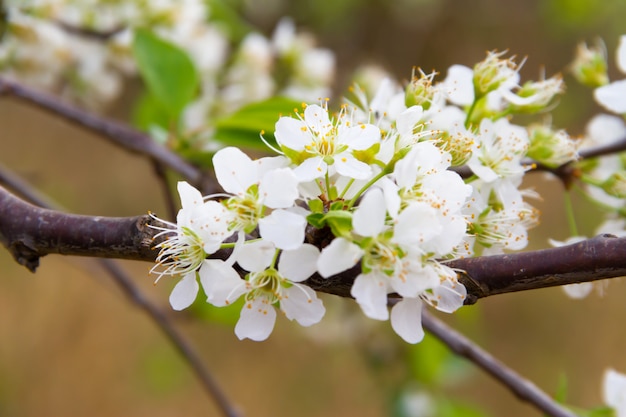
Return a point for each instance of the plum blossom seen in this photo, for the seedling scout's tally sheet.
(502, 147)
(265, 288)
(255, 186)
(391, 262)
(321, 147)
(200, 229)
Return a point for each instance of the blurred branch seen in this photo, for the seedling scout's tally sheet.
(130, 230)
(116, 132)
(524, 389)
(29, 232)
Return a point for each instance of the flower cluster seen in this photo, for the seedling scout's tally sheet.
(379, 178)
(83, 51)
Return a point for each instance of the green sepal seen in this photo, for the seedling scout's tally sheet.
(316, 220)
(296, 157)
(337, 205)
(316, 206)
(368, 155)
(340, 222)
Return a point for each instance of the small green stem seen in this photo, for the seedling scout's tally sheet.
(366, 186)
(569, 212)
(345, 190)
(468, 118)
(232, 244)
(274, 259)
(327, 179)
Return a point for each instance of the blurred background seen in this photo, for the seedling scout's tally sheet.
(71, 343)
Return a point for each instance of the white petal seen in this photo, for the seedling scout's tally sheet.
(221, 282)
(392, 199)
(292, 133)
(279, 188)
(360, 137)
(340, 255)
(407, 120)
(283, 228)
(459, 85)
(298, 264)
(256, 321)
(450, 296)
(612, 97)
(416, 224)
(406, 320)
(369, 217)
(310, 169)
(235, 171)
(614, 391)
(185, 292)
(348, 165)
(370, 291)
(316, 117)
(189, 196)
(621, 54)
(300, 303)
(485, 173)
(256, 256)
(578, 291)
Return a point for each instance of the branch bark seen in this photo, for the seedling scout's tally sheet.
(30, 232)
(116, 132)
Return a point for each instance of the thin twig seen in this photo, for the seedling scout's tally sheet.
(166, 325)
(118, 133)
(170, 204)
(136, 297)
(524, 389)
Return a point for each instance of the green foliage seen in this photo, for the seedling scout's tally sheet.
(457, 409)
(149, 112)
(244, 127)
(227, 316)
(229, 20)
(167, 70)
(432, 363)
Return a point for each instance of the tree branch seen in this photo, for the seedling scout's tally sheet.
(524, 389)
(127, 228)
(30, 232)
(116, 132)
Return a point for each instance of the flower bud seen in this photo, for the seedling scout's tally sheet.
(420, 90)
(590, 67)
(535, 96)
(615, 185)
(551, 148)
(493, 72)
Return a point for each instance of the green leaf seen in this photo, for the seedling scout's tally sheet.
(149, 112)
(229, 19)
(167, 70)
(244, 127)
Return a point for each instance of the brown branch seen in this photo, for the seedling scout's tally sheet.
(30, 232)
(118, 133)
(125, 228)
(524, 389)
